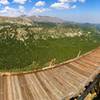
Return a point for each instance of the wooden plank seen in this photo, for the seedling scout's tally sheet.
(86, 66)
(49, 86)
(65, 78)
(37, 88)
(46, 87)
(10, 92)
(58, 82)
(78, 70)
(93, 62)
(26, 93)
(3, 88)
(82, 69)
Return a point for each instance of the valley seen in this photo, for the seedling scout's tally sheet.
(25, 47)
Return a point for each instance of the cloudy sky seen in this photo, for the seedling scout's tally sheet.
(70, 10)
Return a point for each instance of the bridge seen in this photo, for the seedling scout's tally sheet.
(68, 80)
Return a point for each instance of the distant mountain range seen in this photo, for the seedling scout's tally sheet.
(30, 19)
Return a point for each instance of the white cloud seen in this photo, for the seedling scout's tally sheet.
(82, 1)
(66, 4)
(40, 3)
(57, 5)
(63, 6)
(73, 6)
(64, 1)
(21, 10)
(8, 11)
(4, 2)
(68, 1)
(36, 11)
(20, 1)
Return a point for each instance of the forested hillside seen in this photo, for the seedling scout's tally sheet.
(27, 47)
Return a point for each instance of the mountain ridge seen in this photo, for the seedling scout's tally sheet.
(30, 19)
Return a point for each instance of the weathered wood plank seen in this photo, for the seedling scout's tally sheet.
(26, 93)
(40, 93)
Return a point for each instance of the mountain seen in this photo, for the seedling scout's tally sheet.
(18, 20)
(30, 19)
(45, 19)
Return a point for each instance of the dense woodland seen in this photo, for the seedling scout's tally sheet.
(27, 47)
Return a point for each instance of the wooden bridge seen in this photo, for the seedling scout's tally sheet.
(62, 82)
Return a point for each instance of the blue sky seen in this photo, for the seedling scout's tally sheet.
(69, 10)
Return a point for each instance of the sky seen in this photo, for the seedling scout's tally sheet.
(69, 10)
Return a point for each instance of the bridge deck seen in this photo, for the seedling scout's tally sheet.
(65, 80)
